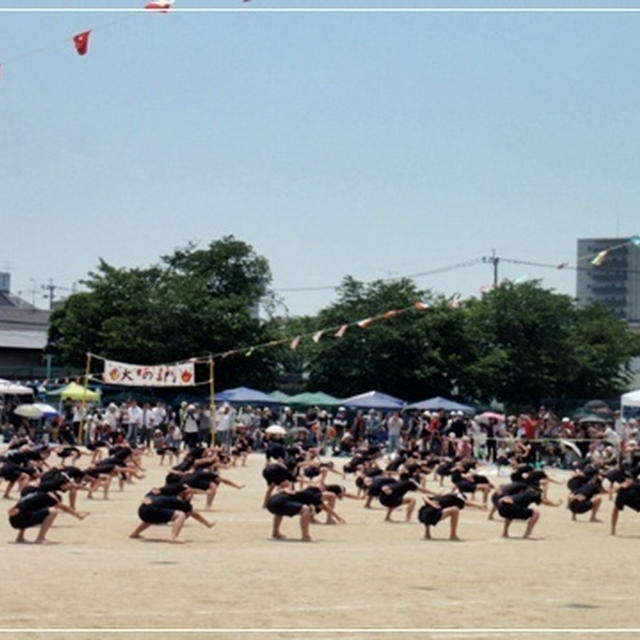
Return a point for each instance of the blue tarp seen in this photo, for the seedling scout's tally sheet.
(244, 395)
(374, 400)
(433, 404)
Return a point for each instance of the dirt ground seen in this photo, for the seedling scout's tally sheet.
(364, 579)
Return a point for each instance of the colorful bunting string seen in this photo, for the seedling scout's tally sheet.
(599, 258)
(159, 6)
(81, 42)
(341, 331)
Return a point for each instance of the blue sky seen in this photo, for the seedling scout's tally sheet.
(366, 144)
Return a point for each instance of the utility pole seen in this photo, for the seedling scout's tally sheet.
(495, 261)
(51, 288)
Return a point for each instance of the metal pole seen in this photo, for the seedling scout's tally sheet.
(84, 398)
(212, 404)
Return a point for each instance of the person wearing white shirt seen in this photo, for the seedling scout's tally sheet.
(135, 422)
(224, 425)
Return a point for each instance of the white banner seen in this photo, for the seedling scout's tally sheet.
(137, 375)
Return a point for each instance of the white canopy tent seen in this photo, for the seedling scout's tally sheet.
(10, 388)
(630, 399)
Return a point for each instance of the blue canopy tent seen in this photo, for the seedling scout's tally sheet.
(374, 400)
(245, 395)
(434, 404)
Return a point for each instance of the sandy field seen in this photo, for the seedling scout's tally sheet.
(359, 580)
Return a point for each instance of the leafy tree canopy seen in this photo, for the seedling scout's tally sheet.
(194, 302)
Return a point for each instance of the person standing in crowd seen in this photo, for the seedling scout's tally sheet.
(135, 422)
(159, 418)
(191, 427)
(357, 427)
(78, 417)
(394, 427)
(204, 426)
(224, 425)
(146, 424)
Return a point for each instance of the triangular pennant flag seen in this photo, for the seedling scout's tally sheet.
(636, 240)
(367, 322)
(273, 343)
(341, 331)
(420, 306)
(249, 352)
(599, 259)
(485, 288)
(392, 313)
(81, 42)
(160, 6)
(226, 354)
(453, 301)
(562, 265)
(317, 335)
(295, 342)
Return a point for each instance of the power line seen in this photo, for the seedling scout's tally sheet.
(420, 274)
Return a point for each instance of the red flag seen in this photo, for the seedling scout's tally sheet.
(341, 331)
(392, 313)
(161, 6)
(367, 322)
(562, 265)
(420, 306)
(81, 42)
(295, 342)
(453, 301)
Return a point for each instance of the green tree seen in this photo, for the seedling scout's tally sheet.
(600, 350)
(195, 302)
(532, 343)
(412, 355)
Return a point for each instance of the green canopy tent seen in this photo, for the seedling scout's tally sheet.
(280, 396)
(317, 399)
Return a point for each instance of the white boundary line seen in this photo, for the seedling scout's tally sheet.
(441, 631)
(325, 10)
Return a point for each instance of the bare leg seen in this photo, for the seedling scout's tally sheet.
(46, 525)
(201, 519)
(267, 495)
(20, 536)
(614, 519)
(305, 519)
(505, 528)
(597, 501)
(330, 499)
(411, 503)
(389, 512)
(211, 494)
(6, 495)
(427, 532)
(139, 529)
(531, 523)
(275, 531)
(177, 522)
